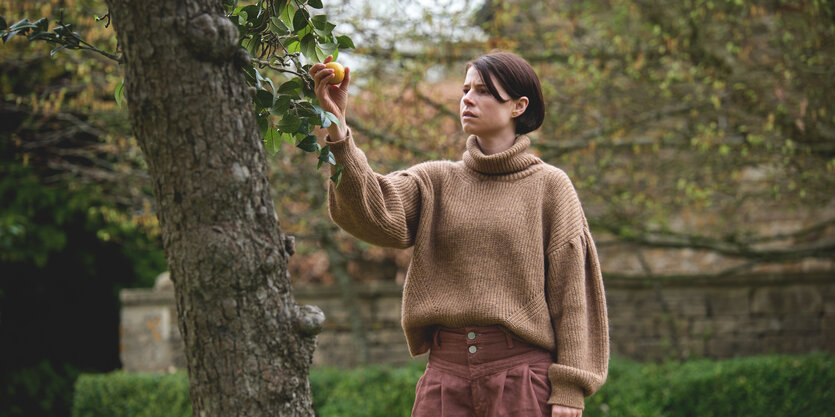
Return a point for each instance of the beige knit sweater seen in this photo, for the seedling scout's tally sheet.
(499, 239)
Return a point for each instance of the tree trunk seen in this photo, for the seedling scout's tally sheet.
(248, 345)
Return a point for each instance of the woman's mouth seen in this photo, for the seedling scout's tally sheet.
(468, 114)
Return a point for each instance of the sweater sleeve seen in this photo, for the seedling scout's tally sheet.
(577, 305)
(379, 209)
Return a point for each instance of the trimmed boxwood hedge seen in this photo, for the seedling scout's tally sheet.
(773, 386)
(122, 394)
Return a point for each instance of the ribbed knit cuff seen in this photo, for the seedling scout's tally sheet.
(344, 150)
(568, 395)
(343, 140)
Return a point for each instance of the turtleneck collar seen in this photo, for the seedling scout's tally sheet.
(512, 160)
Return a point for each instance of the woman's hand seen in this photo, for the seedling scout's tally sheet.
(562, 411)
(332, 98)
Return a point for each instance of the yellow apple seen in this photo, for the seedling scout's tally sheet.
(338, 72)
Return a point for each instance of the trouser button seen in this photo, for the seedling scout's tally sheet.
(473, 349)
(471, 335)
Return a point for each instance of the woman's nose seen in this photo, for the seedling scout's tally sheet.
(466, 99)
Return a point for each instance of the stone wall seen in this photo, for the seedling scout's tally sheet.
(722, 317)
(649, 320)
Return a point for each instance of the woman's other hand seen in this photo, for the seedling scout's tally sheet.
(562, 411)
(332, 98)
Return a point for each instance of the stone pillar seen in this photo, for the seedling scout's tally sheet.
(149, 339)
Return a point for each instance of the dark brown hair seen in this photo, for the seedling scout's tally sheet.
(518, 79)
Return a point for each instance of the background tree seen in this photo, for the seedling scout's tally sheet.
(699, 135)
(76, 215)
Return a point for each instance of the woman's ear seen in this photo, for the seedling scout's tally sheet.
(519, 106)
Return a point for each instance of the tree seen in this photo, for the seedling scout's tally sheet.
(248, 344)
(699, 127)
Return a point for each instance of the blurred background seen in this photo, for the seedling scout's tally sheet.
(700, 136)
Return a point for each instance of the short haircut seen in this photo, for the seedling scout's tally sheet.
(518, 79)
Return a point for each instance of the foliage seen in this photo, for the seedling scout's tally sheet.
(61, 35)
(778, 385)
(757, 386)
(63, 266)
(37, 390)
(372, 391)
(121, 394)
(694, 126)
(279, 34)
(76, 223)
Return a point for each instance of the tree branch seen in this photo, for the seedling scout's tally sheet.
(731, 245)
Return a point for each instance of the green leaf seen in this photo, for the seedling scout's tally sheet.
(309, 46)
(290, 123)
(63, 31)
(291, 87)
(316, 4)
(304, 128)
(281, 105)
(264, 99)
(320, 55)
(2, 23)
(42, 36)
(42, 24)
(309, 144)
(278, 27)
(54, 51)
(307, 110)
(229, 5)
(326, 31)
(320, 21)
(325, 155)
(250, 74)
(252, 45)
(288, 13)
(345, 42)
(288, 138)
(251, 12)
(119, 94)
(332, 117)
(263, 123)
(337, 175)
(329, 48)
(269, 81)
(272, 141)
(293, 47)
(300, 20)
(23, 24)
(258, 77)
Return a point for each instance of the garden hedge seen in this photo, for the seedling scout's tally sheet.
(773, 386)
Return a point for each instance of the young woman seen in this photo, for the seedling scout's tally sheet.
(504, 289)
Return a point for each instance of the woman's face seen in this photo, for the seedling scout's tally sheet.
(481, 114)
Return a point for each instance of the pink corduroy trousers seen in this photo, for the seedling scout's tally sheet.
(483, 372)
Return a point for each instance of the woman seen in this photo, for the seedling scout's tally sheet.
(504, 289)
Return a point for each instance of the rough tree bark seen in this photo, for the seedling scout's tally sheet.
(248, 345)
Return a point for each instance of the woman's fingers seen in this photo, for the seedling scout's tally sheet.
(323, 76)
(345, 80)
(561, 411)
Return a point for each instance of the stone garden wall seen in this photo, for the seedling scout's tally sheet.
(652, 319)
